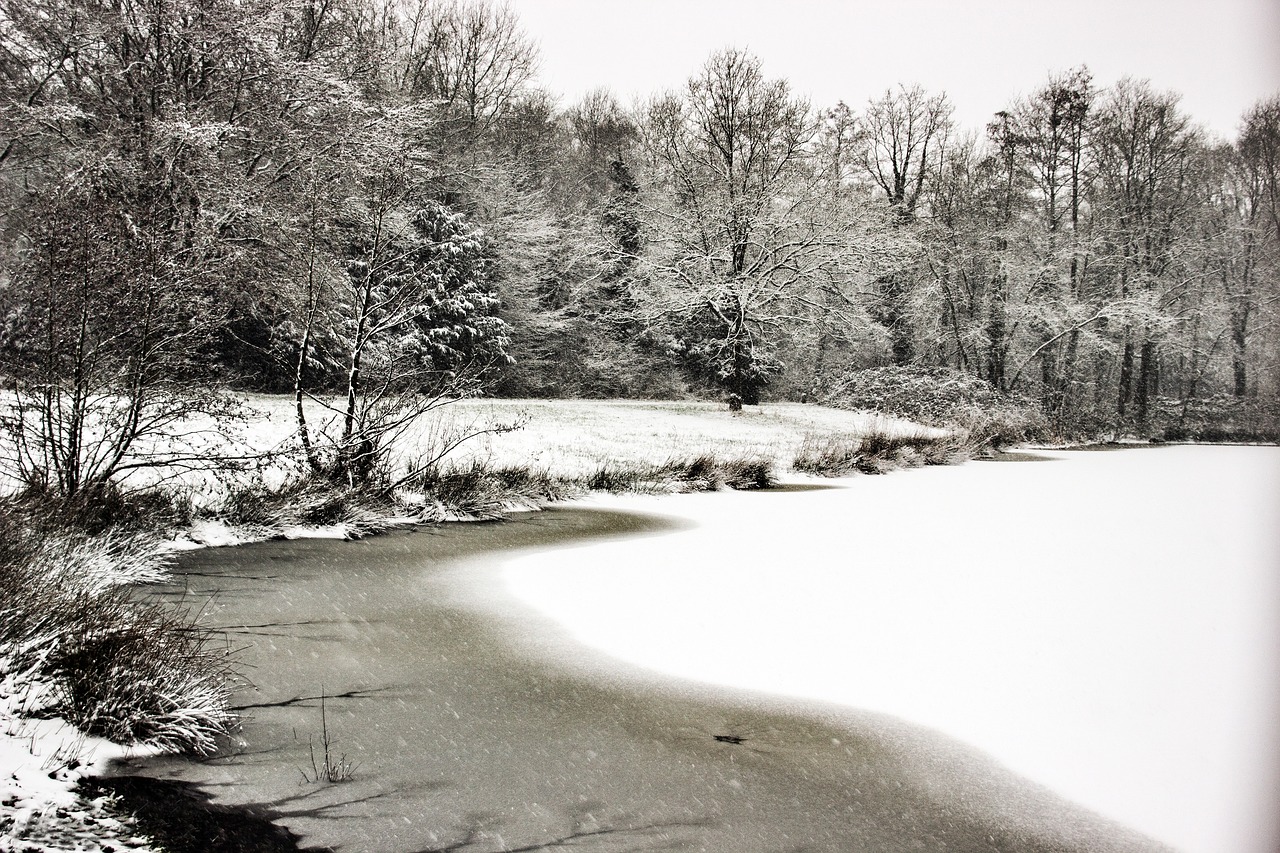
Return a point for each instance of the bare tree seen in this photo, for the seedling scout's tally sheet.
(470, 60)
(1250, 196)
(125, 171)
(1260, 150)
(600, 134)
(1053, 126)
(412, 312)
(904, 137)
(1144, 146)
(105, 319)
(906, 133)
(742, 230)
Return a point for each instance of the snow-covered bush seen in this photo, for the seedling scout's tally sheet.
(1219, 417)
(941, 397)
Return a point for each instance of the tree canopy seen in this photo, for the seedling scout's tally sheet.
(372, 201)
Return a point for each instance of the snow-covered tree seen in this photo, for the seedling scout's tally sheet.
(731, 227)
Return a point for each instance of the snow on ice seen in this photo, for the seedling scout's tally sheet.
(1103, 623)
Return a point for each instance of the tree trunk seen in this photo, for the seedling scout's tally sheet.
(997, 332)
(894, 318)
(1148, 379)
(1067, 398)
(1051, 382)
(1239, 372)
(1125, 391)
(304, 433)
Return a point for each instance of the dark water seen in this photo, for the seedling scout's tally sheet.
(462, 742)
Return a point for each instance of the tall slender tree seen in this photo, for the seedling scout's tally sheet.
(1144, 145)
(905, 133)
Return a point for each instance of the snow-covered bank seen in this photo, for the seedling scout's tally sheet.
(41, 763)
(1105, 623)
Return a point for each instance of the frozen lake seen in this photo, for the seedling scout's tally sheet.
(1022, 657)
(1106, 624)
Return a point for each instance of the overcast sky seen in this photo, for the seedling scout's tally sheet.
(1221, 55)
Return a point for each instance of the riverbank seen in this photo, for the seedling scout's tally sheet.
(560, 449)
(659, 441)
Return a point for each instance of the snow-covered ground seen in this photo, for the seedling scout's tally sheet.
(41, 762)
(574, 437)
(570, 438)
(1106, 624)
(567, 438)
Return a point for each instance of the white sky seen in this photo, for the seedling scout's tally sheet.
(1221, 55)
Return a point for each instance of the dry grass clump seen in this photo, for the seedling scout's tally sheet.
(111, 663)
(878, 451)
(142, 673)
(476, 490)
(748, 473)
(702, 473)
(303, 501)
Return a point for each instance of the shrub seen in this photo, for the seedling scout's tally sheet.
(878, 451)
(104, 507)
(828, 455)
(115, 665)
(941, 397)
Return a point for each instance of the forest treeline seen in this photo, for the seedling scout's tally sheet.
(374, 200)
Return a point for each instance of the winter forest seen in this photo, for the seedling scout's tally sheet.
(368, 198)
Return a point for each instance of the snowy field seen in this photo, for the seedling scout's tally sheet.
(1106, 624)
(569, 438)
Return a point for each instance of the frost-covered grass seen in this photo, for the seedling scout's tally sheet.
(564, 443)
(575, 438)
(560, 449)
(109, 662)
(572, 438)
(89, 672)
